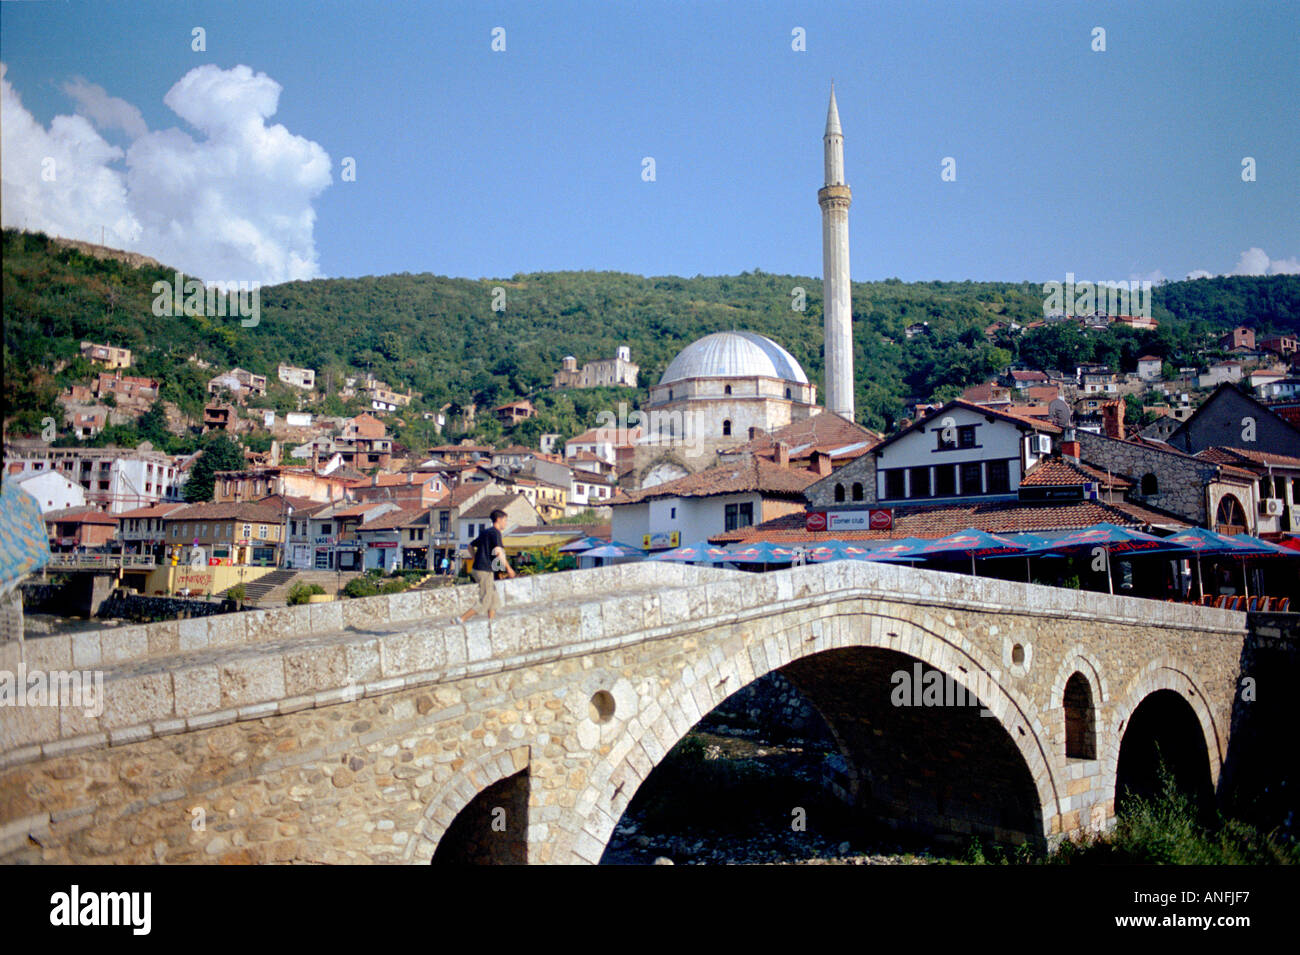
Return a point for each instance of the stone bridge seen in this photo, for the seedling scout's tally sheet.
(374, 730)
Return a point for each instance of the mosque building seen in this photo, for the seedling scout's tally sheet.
(728, 387)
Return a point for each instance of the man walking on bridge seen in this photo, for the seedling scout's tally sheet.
(489, 556)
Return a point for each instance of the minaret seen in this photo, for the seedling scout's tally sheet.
(835, 198)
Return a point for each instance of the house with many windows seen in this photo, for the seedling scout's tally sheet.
(960, 452)
(220, 534)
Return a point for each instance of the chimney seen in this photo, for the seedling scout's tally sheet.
(821, 463)
(1069, 445)
(782, 454)
(1112, 419)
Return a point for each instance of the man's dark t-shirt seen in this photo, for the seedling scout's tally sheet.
(486, 542)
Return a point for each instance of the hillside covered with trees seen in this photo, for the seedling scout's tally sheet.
(442, 338)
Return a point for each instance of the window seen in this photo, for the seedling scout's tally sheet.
(1150, 485)
(726, 427)
(972, 479)
(839, 493)
(727, 390)
(247, 531)
(739, 515)
(895, 483)
(945, 439)
(261, 531)
(672, 513)
(857, 490)
(945, 480)
(1230, 516)
(327, 529)
(787, 393)
(999, 477)
(966, 436)
(920, 480)
(442, 522)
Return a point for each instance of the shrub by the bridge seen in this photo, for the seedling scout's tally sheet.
(299, 593)
(1167, 830)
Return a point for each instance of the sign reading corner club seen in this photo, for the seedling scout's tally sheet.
(873, 519)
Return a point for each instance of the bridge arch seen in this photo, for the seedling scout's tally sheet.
(734, 661)
(458, 791)
(1154, 688)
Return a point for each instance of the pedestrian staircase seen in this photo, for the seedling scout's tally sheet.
(256, 591)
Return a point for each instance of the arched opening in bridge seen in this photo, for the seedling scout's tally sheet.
(1080, 719)
(901, 754)
(492, 829)
(1163, 731)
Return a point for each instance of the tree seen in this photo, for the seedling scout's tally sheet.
(220, 453)
(152, 426)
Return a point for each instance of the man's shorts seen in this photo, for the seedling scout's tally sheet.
(487, 590)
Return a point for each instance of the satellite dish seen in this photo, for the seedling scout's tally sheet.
(1059, 413)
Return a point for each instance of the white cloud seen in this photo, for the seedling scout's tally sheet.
(1255, 261)
(106, 112)
(233, 204)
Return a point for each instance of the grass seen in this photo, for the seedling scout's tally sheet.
(1165, 829)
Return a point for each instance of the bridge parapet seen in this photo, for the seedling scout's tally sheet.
(180, 676)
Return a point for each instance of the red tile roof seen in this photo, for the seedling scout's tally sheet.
(939, 520)
(754, 475)
(80, 515)
(238, 511)
(161, 509)
(1246, 458)
(394, 519)
(822, 430)
(1058, 472)
(487, 505)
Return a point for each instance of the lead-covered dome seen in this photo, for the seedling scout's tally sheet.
(734, 355)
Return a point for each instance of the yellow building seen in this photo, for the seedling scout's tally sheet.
(225, 535)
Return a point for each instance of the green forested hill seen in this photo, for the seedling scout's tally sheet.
(441, 338)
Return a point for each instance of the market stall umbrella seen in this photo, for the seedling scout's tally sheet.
(971, 543)
(1246, 547)
(1206, 543)
(901, 549)
(613, 550)
(825, 550)
(1113, 539)
(583, 543)
(700, 550)
(1036, 545)
(763, 552)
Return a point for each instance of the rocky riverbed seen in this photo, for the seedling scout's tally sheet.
(729, 796)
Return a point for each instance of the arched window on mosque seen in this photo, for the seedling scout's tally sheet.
(726, 427)
(839, 493)
(857, 490)
(727, 390)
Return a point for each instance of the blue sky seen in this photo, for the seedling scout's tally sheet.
(1111, 165)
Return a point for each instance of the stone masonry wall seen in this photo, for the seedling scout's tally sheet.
(363, 738)
(1181, 480)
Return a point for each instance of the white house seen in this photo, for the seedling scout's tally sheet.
(52, 490)
(959, 452)
(1149, 367)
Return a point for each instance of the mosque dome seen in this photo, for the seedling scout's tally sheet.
(734, 355)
